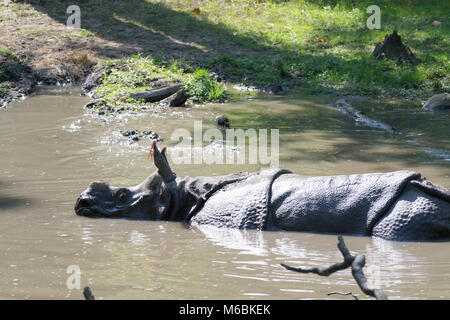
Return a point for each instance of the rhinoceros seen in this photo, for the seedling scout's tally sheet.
(397, 205)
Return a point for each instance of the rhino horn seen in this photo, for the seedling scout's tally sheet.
(160, 160)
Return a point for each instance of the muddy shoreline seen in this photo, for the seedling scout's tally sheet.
(25, 81)
(29, 80)
(18, 85)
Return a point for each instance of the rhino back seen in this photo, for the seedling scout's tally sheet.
(335, 204)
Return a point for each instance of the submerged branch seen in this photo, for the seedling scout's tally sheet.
(356, 263)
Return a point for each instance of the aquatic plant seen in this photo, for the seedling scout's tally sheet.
(202, 87)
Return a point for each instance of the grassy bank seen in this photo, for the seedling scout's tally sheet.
(325, 46)
(310, 46)
(133, 74)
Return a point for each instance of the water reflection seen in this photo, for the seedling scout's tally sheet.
(394, 259)
(245, 241)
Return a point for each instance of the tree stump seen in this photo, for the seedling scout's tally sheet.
(393, 48)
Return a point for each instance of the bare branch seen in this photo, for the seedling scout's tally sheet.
(356, 263)
(361, 280)
(325, 272)
(343, 294)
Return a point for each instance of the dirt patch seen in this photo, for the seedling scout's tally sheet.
(42, 52)
(55, 52)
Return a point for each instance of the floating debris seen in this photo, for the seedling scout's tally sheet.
(343, 106)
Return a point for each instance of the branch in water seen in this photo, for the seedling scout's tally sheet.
(356, 263)
(343, 294)
(88, 294)
(325, 272)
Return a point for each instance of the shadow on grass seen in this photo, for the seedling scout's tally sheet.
(157, 30)
(252, 58)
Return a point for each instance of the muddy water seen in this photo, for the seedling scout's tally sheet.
(50, 150)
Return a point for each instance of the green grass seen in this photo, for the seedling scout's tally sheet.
(202, 87)
(6, 52)
(282, 39)
(277, 42)
(30, 33)
(342, 63)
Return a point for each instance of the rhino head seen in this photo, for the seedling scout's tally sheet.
(156, 198)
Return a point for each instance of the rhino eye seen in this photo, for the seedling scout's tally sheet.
(122, 195)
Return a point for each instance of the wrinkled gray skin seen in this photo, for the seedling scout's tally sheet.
(415, 209)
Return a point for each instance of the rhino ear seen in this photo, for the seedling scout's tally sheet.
(160, 160)
(153, 183)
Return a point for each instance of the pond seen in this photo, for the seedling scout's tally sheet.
(51, 149)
